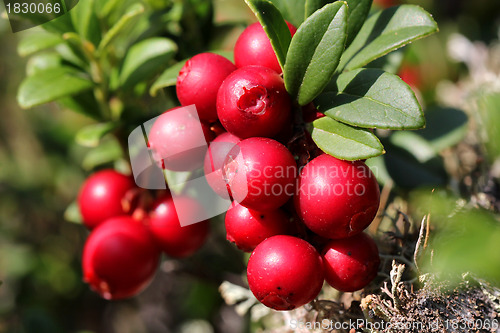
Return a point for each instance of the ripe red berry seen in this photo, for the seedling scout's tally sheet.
(351, 263)
(173, 239)
(285, 272)
(247, 228)
(101, 196)
(178, 139)
(336, 198)
(261, 173)
(252, 101)
(254, 48)
(410, 74)
(119, 258)
(214, 162)
(200, 79)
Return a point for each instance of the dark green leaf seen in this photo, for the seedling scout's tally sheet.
(358, 12)
(274, 25)
(146, 58)
(105, 153)
(292, 10)
(169, 77)
(37, 41)
(91, 135)
(83, 103)
(51, 84)
(315, 52)
(445, 127)
(344, 141)
(85, 21)
(314, 5)
(134, 11)
(371, 98)
(386, 31)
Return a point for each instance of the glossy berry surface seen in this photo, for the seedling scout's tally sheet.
(285, 272)
(214, 162)
(254, 48)
(336, 198)
(200, 79)
(119, 258)
(101, 196)
(351, 263)
(252, 101)
(178, 139)
(173, 239)
(261, 173)
(247, 228)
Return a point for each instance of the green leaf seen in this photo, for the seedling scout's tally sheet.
(371, 98)
(314, 5)
(72, 213)
(107, 152)
(83, 103)
(274, 25)
(445, 127)
(91, 135)
(41, 62)
(37, 41)
(292, 10)
(51, 84)
(85, 21)
(169, 77)
(344, 141)
(386, 31)
(358, 12)
(315, 52)
(134, 11)
(146, 58)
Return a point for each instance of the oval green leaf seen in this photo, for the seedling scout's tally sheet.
(292, 10)
(386, 31)
(344, 141)
(107, 152)
(358, 12)
(146, 58)
(91, 135)
(274, 25)
(371, 98)
(315, 52)
(51, 84)
(37, 41)
(85, 21)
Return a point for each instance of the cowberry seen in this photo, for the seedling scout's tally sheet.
(247, 228)
(252, 101)
(173, 239)
(336, 198)
(285, 272)
(200, 79)
(119, 258)
(101, 196)
(351, 263)
(178, 139)
(214, 162)
(261, 173)
(254, 48)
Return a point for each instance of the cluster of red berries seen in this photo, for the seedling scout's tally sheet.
(121, 254)
(303, 226)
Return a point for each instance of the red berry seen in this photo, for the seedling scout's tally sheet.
(173, 239)
(261, 173)
(285, 272)
(179, 140)
(336, 198)
(254, 48)
(247, 228)
(200, 79)
(351, 263)
(119, 258)
(252, 101)
(410, 75)
(214, 162)
(385, 3)
(310, 113)
(101, 196)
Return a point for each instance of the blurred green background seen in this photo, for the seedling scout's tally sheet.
(455, 76)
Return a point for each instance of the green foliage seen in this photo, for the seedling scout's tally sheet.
(315, 52)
